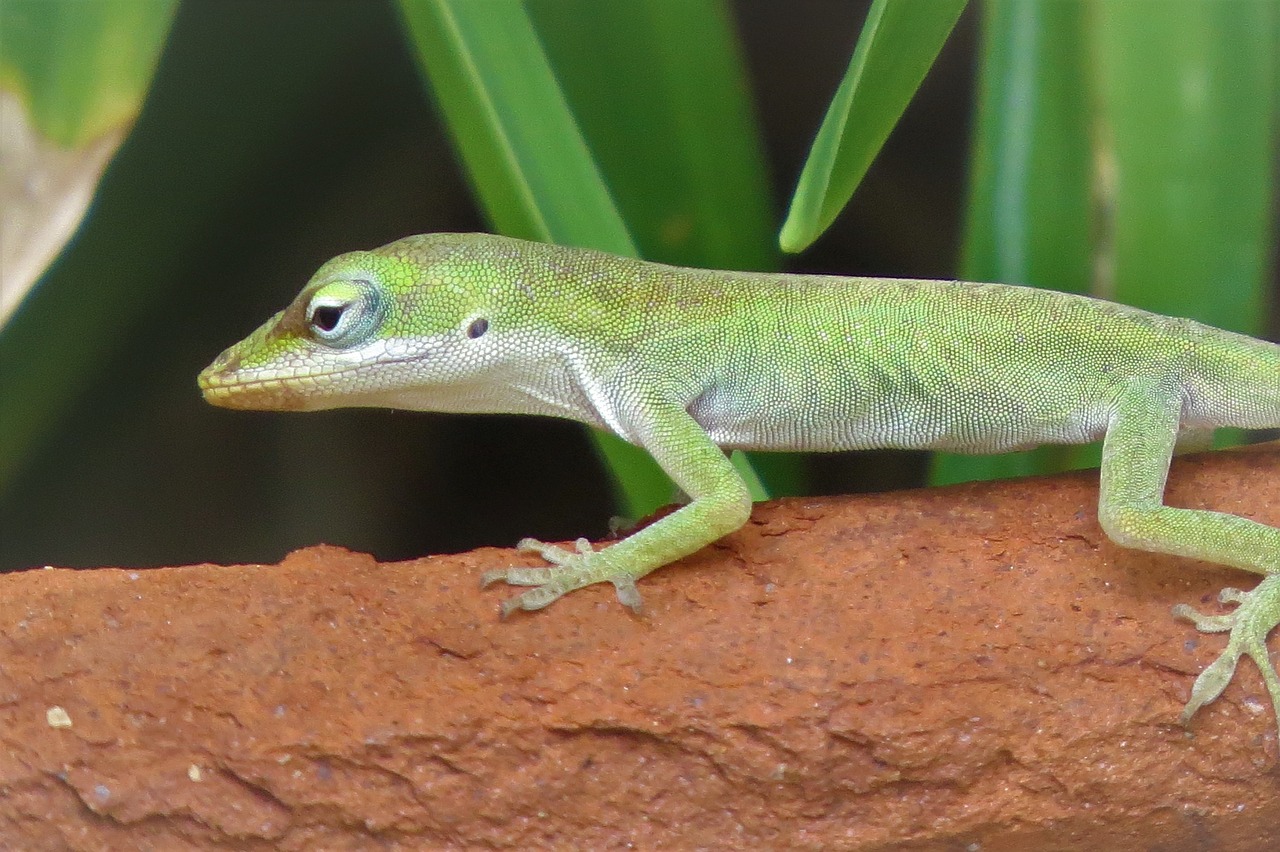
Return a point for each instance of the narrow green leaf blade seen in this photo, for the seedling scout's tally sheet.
(899, 42)
(521, 145)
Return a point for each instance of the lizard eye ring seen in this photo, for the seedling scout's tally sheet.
(343, 313)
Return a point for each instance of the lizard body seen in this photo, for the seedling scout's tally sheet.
(689, 362)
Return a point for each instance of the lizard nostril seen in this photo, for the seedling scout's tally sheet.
(226, 362)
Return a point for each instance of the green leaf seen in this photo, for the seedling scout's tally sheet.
(528, 162)
(659, 89)
(1030, 208)
(899, 42)
(72, 79)
(81, 69)
(1187, 95)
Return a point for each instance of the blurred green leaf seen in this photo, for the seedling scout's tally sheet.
(72, 79)
(1186, 150)
(1029, 215)
(81, 69)
(899, 42)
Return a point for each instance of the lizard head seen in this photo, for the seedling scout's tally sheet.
(371, 328)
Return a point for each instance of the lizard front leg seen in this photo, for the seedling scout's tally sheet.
(719, 504)
(1135, 463)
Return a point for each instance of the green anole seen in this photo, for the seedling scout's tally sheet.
(687, 363)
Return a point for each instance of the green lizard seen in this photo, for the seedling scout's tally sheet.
(688, 362)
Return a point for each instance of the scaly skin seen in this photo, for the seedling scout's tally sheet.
(685, 362)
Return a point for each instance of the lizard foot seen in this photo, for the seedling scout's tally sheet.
(569, 570)
(1256, 613)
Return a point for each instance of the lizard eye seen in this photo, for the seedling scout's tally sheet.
(325, 318)
(343, 313)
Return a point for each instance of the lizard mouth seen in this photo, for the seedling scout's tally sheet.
(227, 384)
(267, 393)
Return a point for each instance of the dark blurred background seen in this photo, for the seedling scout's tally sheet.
(139, 471)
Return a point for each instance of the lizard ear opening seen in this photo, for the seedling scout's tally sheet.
(477, 328)
(342, 314)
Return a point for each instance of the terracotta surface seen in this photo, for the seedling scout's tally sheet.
(963, 668)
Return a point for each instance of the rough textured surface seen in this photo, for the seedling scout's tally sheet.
(920, 670)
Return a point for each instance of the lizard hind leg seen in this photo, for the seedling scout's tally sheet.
(1256, 614)
(1135, 463)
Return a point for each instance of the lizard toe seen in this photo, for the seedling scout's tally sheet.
(1256, 614)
